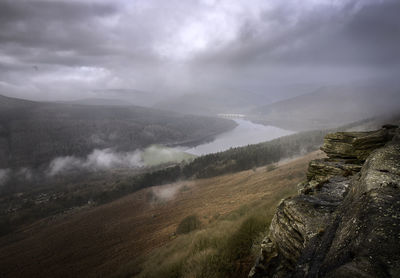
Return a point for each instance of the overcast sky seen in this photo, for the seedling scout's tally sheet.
(76, 49)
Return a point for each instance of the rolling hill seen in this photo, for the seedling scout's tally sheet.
(32, 133)
(328, 107)
(110, 238)
(99, 102)
(228, 101)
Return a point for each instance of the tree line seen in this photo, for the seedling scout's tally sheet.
(215, 164)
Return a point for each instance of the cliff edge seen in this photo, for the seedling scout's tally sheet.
(345, 221)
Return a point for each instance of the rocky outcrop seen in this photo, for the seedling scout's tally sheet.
(356, 145)
(345, 222)
(321, 170)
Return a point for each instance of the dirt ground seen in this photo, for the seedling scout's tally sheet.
(95, 242)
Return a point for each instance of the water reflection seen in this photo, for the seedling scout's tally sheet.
(244, 134)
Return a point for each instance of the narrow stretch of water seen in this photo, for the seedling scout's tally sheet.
(244, 134)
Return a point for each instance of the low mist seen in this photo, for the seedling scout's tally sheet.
(166, 193)
(4, 175)
(106, 159)
(97, 160)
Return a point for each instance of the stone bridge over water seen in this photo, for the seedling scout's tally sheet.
(231, 116)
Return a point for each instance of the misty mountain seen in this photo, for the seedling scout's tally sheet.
(328, 107)
(99, 101)
(32, 133)
(230, 101)
(125, 96)
(8, 103)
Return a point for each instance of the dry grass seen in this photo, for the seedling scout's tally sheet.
(117, 237)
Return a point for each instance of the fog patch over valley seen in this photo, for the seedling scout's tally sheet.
(4, 175)
(166, 192)
(156, 154)
(97, 160)
(106, 159)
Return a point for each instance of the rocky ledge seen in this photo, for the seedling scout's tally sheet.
(345, 221)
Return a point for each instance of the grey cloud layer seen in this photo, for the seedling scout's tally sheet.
(66, 49)
(365, 35)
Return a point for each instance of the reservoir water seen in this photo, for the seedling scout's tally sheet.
(244, 134)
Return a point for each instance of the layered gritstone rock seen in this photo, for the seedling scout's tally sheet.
(345, 222)
(321, 170)
(356, 146)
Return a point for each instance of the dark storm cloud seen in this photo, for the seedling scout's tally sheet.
(27, 27)
(376, 30)
(76, 48)
(367, 36)
(347, 35)
(11, 11)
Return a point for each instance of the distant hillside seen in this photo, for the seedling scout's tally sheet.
(328, 107)
(99, 101)
(231, 101)
(7, 103)
(32, 133)
(128, 96)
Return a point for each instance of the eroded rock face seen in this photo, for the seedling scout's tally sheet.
(346, 220)
(356, 146)
(367, 240)
(321, 170)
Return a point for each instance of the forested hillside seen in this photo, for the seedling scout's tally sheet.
(32, 133)
(49, 196)
(211, 165)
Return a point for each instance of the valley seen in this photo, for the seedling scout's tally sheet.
(199, 139)
(34, 133)
(102, 240)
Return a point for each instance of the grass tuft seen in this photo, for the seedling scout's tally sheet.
(188, 224)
